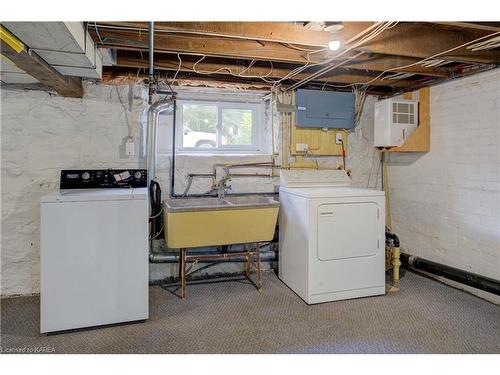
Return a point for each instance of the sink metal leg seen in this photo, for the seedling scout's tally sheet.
(182, 272)
(248, 260)
(259, 271)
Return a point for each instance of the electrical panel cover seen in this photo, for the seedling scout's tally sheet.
(324, 109)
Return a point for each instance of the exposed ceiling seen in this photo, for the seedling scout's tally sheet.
(387, 56)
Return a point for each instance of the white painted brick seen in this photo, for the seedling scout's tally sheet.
(458, 180)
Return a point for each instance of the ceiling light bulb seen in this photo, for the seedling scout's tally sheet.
(334, 45)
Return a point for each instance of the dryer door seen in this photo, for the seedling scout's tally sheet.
(347, 230)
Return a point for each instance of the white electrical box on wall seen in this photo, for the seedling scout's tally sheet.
(395, 121)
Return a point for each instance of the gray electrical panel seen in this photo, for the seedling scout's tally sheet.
(324, 109)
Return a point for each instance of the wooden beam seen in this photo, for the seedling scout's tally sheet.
(423, 40)
(114, 77)
(381, 63)
(164, 62)
(35, 66)
(282, 32)
(122, 76)
(485, 26)
(210, 46)
(190, 43)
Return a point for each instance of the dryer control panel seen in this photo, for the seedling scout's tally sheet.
(103, 178)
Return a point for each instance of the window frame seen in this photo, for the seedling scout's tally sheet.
(257, 127)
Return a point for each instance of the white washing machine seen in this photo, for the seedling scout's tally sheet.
(94, 258)
(332, 236)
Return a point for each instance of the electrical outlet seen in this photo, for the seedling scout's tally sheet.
(338, 138)
(129, 148)
(301, 147)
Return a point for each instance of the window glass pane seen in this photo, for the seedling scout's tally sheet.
(395, 118)
(199, 125)
(403, 119)
(403, 107)
(411, 108)
(237, 127)
(412, 119)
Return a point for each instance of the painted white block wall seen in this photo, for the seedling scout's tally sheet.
(42, 134)
(446, 203)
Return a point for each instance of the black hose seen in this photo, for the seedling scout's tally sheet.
(155, 199)
(391, 236)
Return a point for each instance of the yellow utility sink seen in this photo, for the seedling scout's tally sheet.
(195, 222)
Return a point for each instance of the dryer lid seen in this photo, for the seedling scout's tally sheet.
(314, 178)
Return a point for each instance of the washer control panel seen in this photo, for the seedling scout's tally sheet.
(103, 178)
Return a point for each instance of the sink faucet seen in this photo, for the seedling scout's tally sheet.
(221, 186)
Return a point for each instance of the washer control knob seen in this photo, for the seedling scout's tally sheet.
(85, 175)
(137, 175)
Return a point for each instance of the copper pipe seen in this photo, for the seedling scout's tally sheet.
(259, 272)
(182, 261)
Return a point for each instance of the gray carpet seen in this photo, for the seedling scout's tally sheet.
(232, 317)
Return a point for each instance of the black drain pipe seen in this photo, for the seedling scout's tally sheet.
(455, 274)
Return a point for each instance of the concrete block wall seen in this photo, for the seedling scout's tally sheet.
(445, 204)
(42, 134)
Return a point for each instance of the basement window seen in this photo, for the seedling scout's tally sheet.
(218, 127)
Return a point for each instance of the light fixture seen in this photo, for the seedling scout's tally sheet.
(334, 45)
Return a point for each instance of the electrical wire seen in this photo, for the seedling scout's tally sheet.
(360, 93)
(228, 70)
(178, 68)
(373, 34)
(125, 112)
(429, 58)
(343, 153)
(97, 32)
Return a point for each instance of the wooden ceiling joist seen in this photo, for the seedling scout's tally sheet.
(119, 76)
(210, 46)
(279, 47)
(484, 26)
(423, 40)
(209, 67)
(397, 64)
(35, 66)
(280, 32)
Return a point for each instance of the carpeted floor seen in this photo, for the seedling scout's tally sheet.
(232, 317)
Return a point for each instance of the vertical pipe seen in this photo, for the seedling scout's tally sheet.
(172, 164)
(151, 59)
(153, 119)
(385, 187)
(396, 263)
